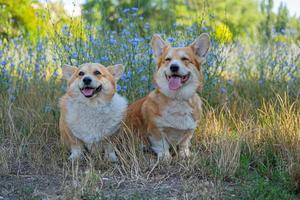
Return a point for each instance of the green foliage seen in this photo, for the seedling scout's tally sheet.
(265, 26)
(156, 13)
(27, 193)
(241, 17)
(17, 17)
(255, 186)
(282, 18)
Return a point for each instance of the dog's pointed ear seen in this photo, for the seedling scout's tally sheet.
(116, 70)
(68, 71)
(158, 45)
(201, 45)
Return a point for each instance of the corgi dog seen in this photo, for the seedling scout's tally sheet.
(168, 116)
(91, 110)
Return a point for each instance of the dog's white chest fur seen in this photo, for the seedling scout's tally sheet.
(93, 122)
(178, 115)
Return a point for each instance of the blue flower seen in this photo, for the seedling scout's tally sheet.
(113, 41)
(3, 62)
(190, 29)
(67, 48)
(134, 9)
(91, 38)
(4, 71)
(144, 78)
(140, 69)
(124, 78)
(141, 91)
(37, 67)
(125, 32)
(74, 55)
(24, 75)
(124, 46)
(204, 28)
(223, 90)
(170, 39)
(104, 59)
(126, 10)
(39, 46)
(55, 73)
(65, 30)
(124, 88)
(129, 75)
(118, 88)
(147, 25)
(135, 41)
(230, 82)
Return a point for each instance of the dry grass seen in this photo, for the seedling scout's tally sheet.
(234, 140)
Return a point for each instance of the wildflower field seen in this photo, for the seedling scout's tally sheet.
(247, 145)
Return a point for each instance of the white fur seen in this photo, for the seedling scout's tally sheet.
(184, 150)
(177, 115)
(110, 153)
(92, 122)
(161, 148)
(75, 153)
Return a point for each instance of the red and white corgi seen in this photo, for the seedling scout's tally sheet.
(169, 115)
(91, 110)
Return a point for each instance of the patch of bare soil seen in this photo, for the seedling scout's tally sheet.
(30, 187)
(58, 187)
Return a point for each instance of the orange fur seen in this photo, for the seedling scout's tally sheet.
(143, 115)
(83, 114)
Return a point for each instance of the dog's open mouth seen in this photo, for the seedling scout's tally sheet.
(176, 81)
(90, 91)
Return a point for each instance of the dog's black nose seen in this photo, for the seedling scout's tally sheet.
(87, 80)
(174, 68)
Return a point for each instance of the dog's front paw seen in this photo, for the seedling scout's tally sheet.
(184, 153)
(75, 153)
(164, 156)
(111, 156)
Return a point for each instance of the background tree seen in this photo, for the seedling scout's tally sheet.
(265, 26)
(18, 16)
(282, 18)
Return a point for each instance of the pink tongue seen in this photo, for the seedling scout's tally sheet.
(88, 91)
(174, 83)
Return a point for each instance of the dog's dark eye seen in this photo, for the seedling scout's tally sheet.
(168, 59)
(81, 74)
(184, 59)
(97, 72)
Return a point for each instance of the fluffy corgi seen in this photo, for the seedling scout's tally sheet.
(169, 115)
(91, 110)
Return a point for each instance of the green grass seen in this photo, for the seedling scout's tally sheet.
(247, 144)
(241, 150)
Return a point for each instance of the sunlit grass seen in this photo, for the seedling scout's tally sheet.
(248, 136)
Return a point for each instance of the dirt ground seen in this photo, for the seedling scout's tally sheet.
(59, 186)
